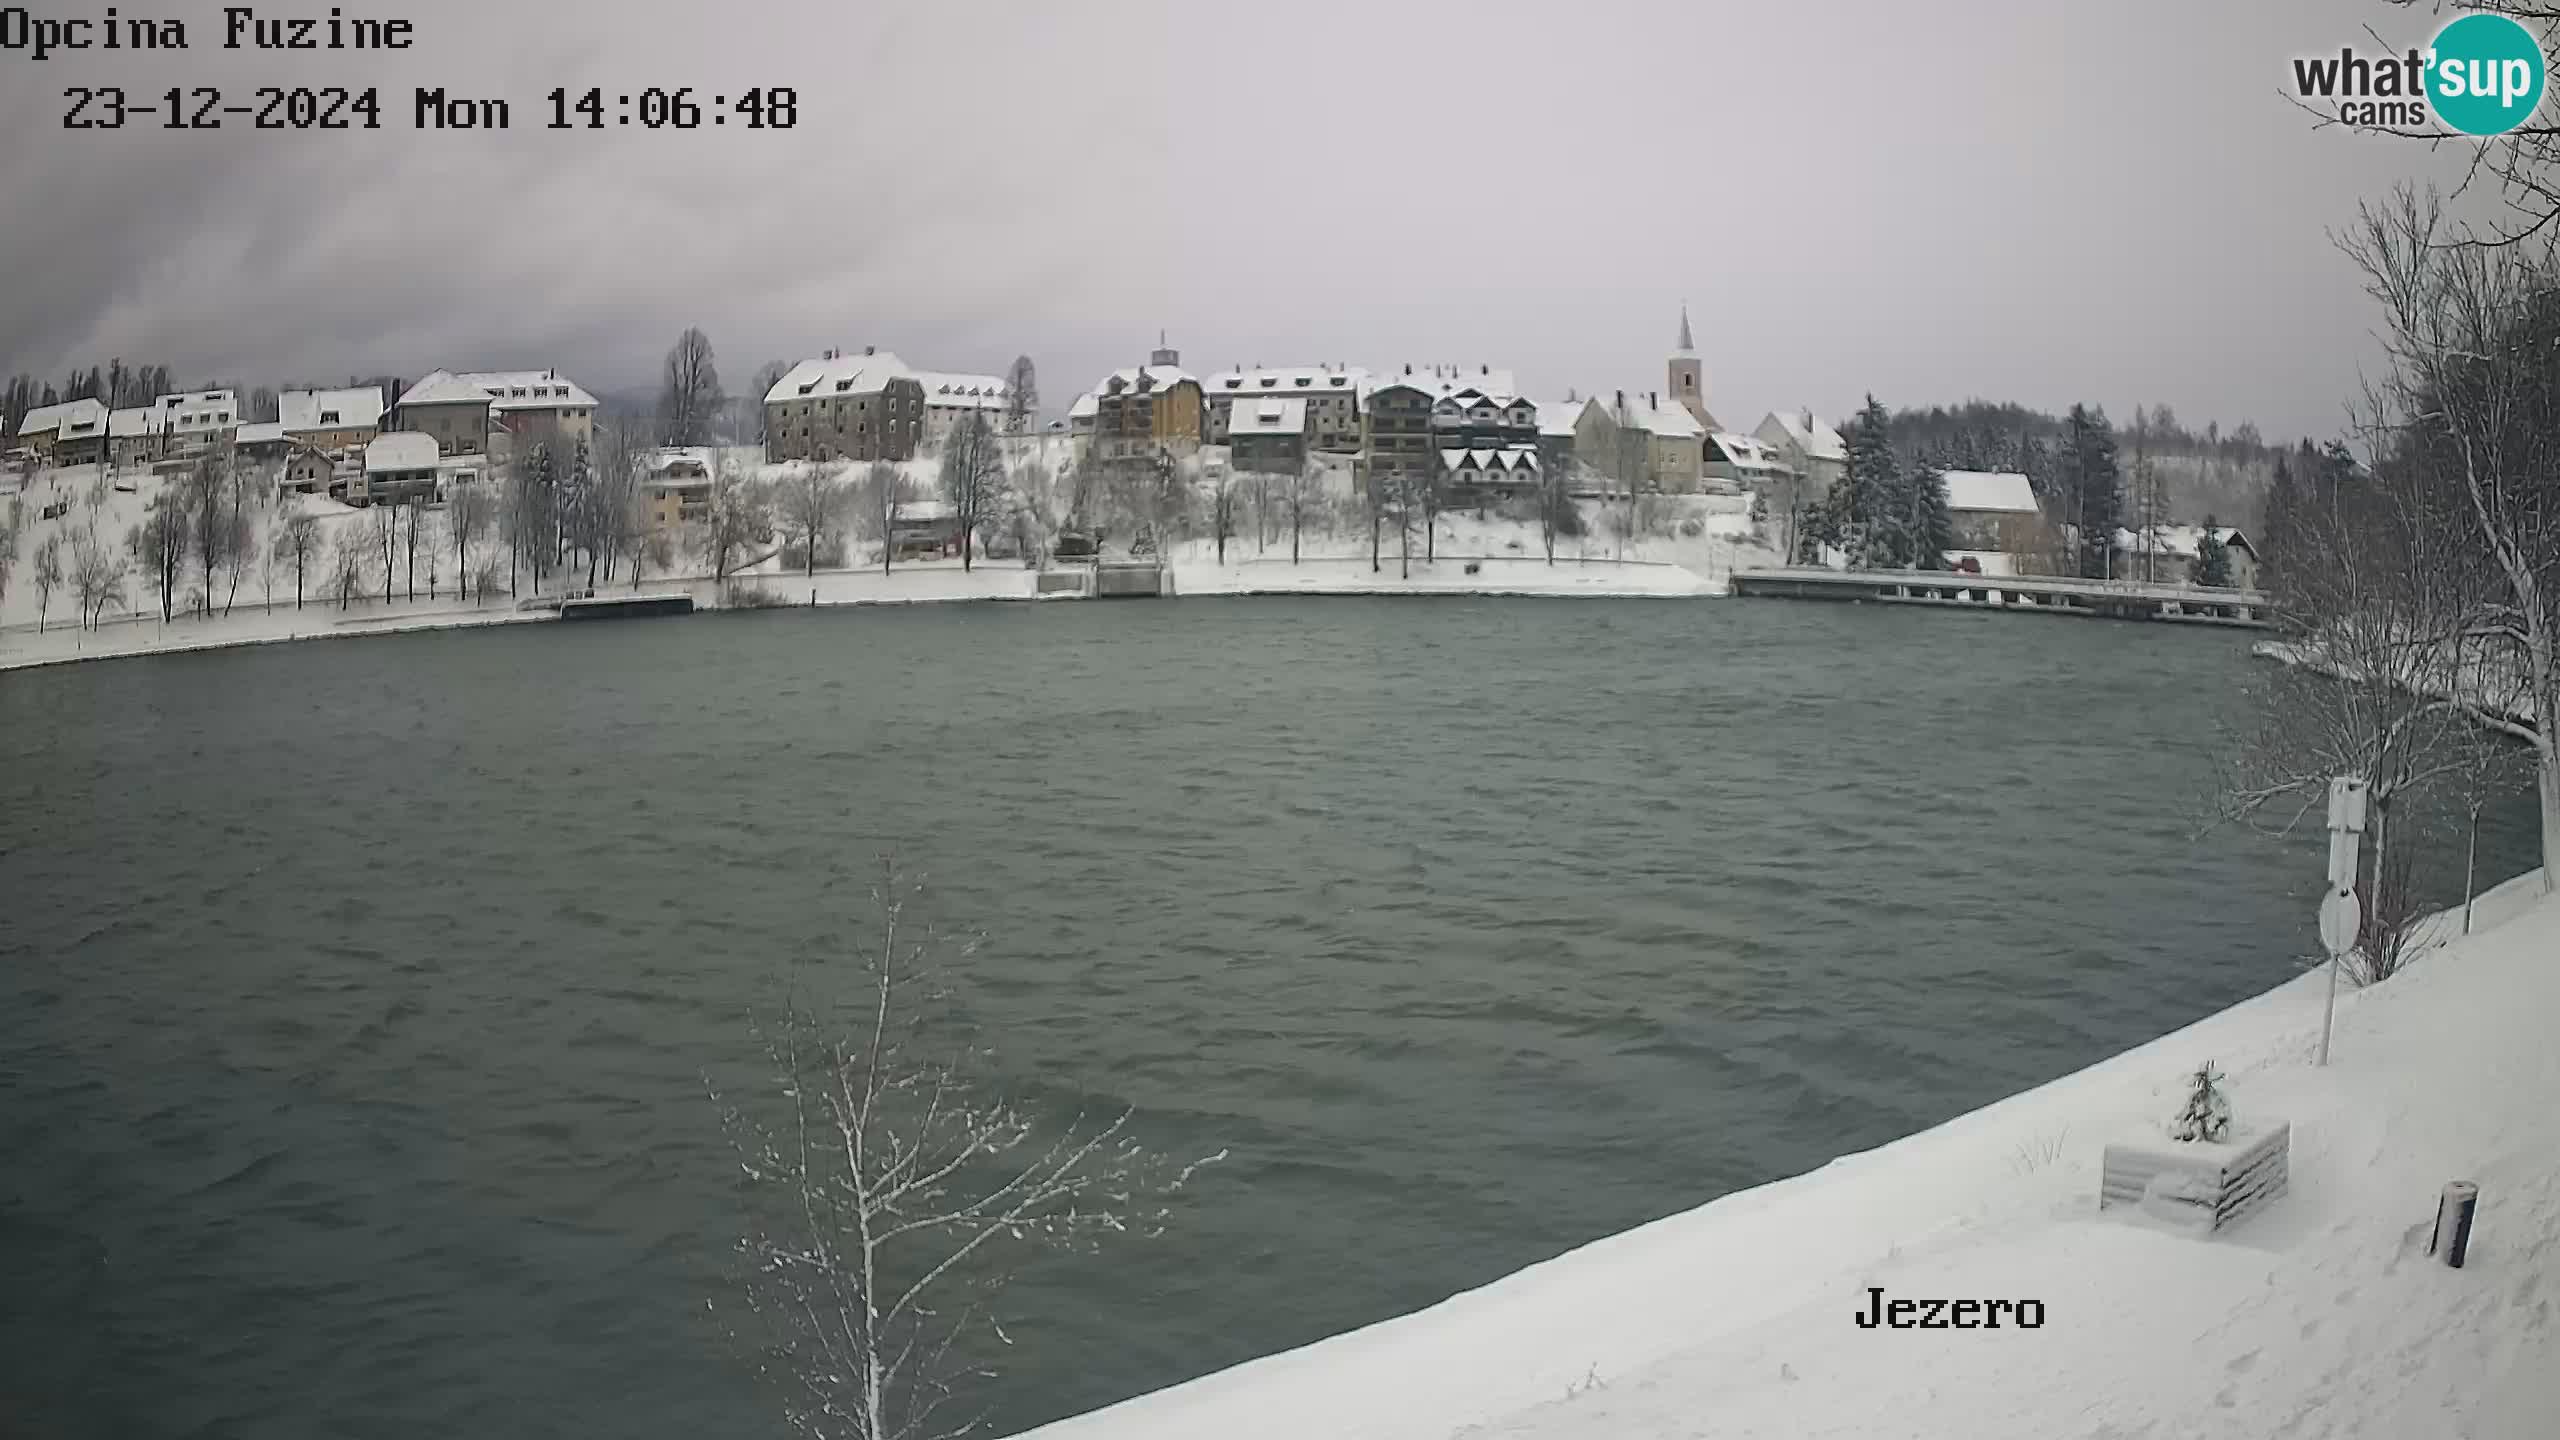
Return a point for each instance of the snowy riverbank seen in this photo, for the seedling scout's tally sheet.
(2318, 1317)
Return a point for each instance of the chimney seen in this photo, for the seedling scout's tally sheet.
(1653, 399)
(1484, 369)
(866, 349)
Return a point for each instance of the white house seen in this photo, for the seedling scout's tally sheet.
(2166, 554)
(1332, 394)
(951, 399)
(407, 466)
(199, 418)
(1809, 447)
(331, 418)
(71, 433)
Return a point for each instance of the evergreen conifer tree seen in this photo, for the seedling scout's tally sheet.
(1929, 532)
(2213, 558)
(2094, 492)
(2207, 1113)
(1871, 520)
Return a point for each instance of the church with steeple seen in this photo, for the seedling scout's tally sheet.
(1689, 378)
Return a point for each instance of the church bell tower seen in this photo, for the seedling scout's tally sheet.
(1688, 378)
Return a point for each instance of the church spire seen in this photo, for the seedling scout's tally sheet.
(1686, 344)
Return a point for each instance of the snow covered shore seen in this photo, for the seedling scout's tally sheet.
(931, 582)
(2319, 1317)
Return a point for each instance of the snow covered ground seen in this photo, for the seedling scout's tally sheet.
(1509, 557)
(2320, 1316)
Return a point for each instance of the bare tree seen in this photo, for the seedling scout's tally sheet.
(1222, 508)
(159, 543)
(740, 517)
(48, 575)
(884, 489)
(973, 479)
(888, 1186)
(2473, 401)
(382, 526)
(812, 503)
(347, 559)
(1305, 491)
(2368, 613)
(468, 512)
(1021, 397)
(689, 401)
(13, 523)
(97, 577)
(296, 545)
(766, 378)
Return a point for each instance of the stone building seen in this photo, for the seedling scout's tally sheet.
(845, 407)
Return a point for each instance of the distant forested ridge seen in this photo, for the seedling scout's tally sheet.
(2180, 475)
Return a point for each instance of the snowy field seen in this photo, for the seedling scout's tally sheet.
(2318, 1317)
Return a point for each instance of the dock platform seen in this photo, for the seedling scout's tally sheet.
(2029, 594)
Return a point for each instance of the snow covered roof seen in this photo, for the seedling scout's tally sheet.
(1268, 415)
(687, 461)
(1289, 380)
(1159, 377)
(443, 387)
(136, 422)
(1086, 407)
(965, 392)
(356, 409)
(1658, 414)
(527, 389)
(400, 450)
(1746, 453)
(67, 420)
(925, 512)
(268, 432)
(1516, 458)
(1991, 491)
(1806, 432)
(1561, 417)
(830, 376)
(502, 390)
(1447, 381)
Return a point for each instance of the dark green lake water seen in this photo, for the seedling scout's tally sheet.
(355, 997)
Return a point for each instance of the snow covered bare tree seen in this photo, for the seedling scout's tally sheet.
(886, 1183)
(2473, 409)
(973, 479)
(812, 502)
(884, 489)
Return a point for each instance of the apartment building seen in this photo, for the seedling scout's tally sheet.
(845, 407)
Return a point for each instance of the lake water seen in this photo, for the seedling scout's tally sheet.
(356, 997)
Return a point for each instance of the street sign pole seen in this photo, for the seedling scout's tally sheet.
(2341, 916)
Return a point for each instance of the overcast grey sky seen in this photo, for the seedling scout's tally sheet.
(2017, 199)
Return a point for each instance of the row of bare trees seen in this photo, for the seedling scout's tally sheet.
(2422, 592)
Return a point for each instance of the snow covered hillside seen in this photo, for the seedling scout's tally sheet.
(2320, 1316)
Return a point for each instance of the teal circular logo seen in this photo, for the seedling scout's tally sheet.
(2484, 76)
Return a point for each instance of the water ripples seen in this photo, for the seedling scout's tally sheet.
(355, 1000)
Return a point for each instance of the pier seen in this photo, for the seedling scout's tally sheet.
(618, 607)
(2027, 594)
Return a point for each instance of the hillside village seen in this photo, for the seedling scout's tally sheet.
(476, 488)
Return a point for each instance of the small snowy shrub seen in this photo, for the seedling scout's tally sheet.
(1693, 527)
(2041, 1151)
(752, 597)
(2207, 1115)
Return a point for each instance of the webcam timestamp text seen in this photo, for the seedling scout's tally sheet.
(431, 107)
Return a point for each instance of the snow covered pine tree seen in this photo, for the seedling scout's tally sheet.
(2207, 1115)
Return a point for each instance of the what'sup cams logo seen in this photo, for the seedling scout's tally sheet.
(2481, 75)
